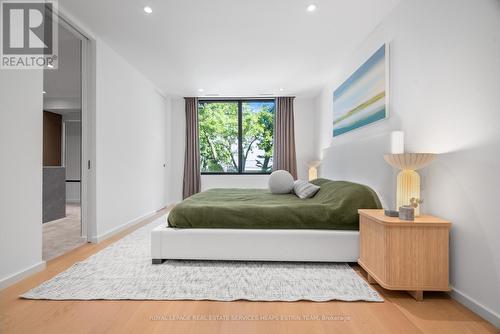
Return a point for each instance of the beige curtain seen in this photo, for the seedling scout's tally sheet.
(191, 183)
(284, 156)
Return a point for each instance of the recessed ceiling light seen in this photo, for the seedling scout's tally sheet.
(282, 89)
(201, 90)
(148, 10)
(44, 92)
(311, 8)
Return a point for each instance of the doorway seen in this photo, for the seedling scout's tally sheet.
(63, 226)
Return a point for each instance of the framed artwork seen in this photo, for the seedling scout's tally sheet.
(363, 98)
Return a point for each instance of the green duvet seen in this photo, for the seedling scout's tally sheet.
(334, 207)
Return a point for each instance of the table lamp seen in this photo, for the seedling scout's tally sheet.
(313, 169)
(408, 181)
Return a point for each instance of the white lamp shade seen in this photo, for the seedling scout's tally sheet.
(314, 163)
(409, 161)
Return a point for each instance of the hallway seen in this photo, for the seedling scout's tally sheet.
(62, 235)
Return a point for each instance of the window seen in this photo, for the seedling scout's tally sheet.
(236, 137)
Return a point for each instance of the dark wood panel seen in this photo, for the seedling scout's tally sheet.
(52, 138)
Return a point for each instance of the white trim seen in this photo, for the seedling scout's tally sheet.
(110, 233)
(87, 181)
(86, 204)
(12, 279)
(476, 307)
(87, 54)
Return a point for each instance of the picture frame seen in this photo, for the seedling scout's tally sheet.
(363, 98)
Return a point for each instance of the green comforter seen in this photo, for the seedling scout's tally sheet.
(334, 207)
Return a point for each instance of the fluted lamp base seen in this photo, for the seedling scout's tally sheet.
(408, 187)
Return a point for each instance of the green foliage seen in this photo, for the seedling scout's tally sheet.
(258, 132)
(218, 126)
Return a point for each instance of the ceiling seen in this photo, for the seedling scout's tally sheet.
(232, 47)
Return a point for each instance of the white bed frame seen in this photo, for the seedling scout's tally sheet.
(253, 245)
(360, 161)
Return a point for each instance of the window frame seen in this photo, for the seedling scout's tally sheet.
(240, 102)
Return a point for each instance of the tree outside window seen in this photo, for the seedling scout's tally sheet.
(236, 136)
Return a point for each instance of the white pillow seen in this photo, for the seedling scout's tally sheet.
(305, 189)
(280, 182)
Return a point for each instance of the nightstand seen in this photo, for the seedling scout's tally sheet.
(404, 255)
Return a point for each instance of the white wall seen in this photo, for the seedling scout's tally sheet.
(20, 173)
(72, 159)
(304, 130)
(445, 84)
(131, 143)
(168, 150)
(65, 103)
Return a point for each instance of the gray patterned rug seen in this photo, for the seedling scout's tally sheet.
(123, 270)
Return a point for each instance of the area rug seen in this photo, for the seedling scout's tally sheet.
(123, 270)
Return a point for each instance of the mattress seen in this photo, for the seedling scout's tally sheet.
(334, 207)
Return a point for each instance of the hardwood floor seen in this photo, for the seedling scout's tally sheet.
(400, 313)
(62, 235)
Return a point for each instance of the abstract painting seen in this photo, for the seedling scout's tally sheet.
(361, 99)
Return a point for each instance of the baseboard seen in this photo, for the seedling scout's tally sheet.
(118, 229)
(475, 307)
(8, 281)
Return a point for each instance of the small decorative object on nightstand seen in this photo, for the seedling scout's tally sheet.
(391, 213)
(407, 212)
(415, 202)
(404, 255)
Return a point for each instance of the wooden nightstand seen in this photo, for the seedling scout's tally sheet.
(404, 255)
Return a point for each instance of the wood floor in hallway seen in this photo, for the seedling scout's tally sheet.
(62, 235)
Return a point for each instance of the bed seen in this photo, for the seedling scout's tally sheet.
(253, 224)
